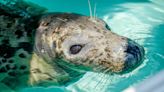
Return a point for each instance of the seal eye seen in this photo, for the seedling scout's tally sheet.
(75, 49)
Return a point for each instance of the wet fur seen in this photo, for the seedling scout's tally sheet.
(34, 50)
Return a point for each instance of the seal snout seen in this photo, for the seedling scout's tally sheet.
(134, 55)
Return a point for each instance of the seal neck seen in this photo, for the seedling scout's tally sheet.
(43, 73)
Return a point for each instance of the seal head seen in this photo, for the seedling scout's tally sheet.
(84, 44)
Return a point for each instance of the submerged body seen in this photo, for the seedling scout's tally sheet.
(55, 48)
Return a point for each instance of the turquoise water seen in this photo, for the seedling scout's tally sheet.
(140, 20)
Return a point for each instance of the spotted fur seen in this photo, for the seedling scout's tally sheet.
(35, 51)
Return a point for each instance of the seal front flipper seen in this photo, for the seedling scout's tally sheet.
(21, 8)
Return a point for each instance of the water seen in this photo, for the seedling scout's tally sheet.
(140, 20)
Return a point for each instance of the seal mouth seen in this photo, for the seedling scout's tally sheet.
(134, 56)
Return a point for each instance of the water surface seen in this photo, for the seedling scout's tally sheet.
(140, 20)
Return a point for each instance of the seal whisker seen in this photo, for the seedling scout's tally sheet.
(106, 82)
(97, 75)
(138, 39)
(88, 78)
(90, 8)
(95, 11)
(92, 78)
(106, 71)
(102, 78)
(100, 75)
(100, 68)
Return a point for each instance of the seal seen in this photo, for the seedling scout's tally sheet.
(56, 48)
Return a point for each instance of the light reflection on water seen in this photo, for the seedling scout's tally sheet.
(140, 20)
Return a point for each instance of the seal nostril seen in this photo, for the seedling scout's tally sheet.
(134, 50)
(138, 52)
(130, 49)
